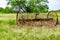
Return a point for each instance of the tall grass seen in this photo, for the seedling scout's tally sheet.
(7, 33)
(36, 33)
(9, 22)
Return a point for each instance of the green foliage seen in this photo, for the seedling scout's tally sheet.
(30, 5)
(6, 10)
(1, 9)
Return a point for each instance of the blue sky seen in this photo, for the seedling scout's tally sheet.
(53, 4)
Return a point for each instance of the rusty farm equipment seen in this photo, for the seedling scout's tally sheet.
(34, 19)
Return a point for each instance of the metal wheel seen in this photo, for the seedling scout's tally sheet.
(54, 16)
(19, 18)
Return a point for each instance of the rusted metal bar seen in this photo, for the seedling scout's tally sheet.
(42, 19)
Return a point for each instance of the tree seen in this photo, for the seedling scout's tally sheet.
(30, 5)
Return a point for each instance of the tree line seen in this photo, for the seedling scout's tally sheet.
(6, 10)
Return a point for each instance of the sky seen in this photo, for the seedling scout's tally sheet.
(3, 3)
(53, 4)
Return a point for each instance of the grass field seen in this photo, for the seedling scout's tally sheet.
(8, 32)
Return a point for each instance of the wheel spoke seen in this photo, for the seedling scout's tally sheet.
(54, 16)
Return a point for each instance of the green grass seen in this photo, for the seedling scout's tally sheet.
(7, 32)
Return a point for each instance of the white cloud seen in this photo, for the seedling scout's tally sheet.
(3, 3)
(54, 4)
